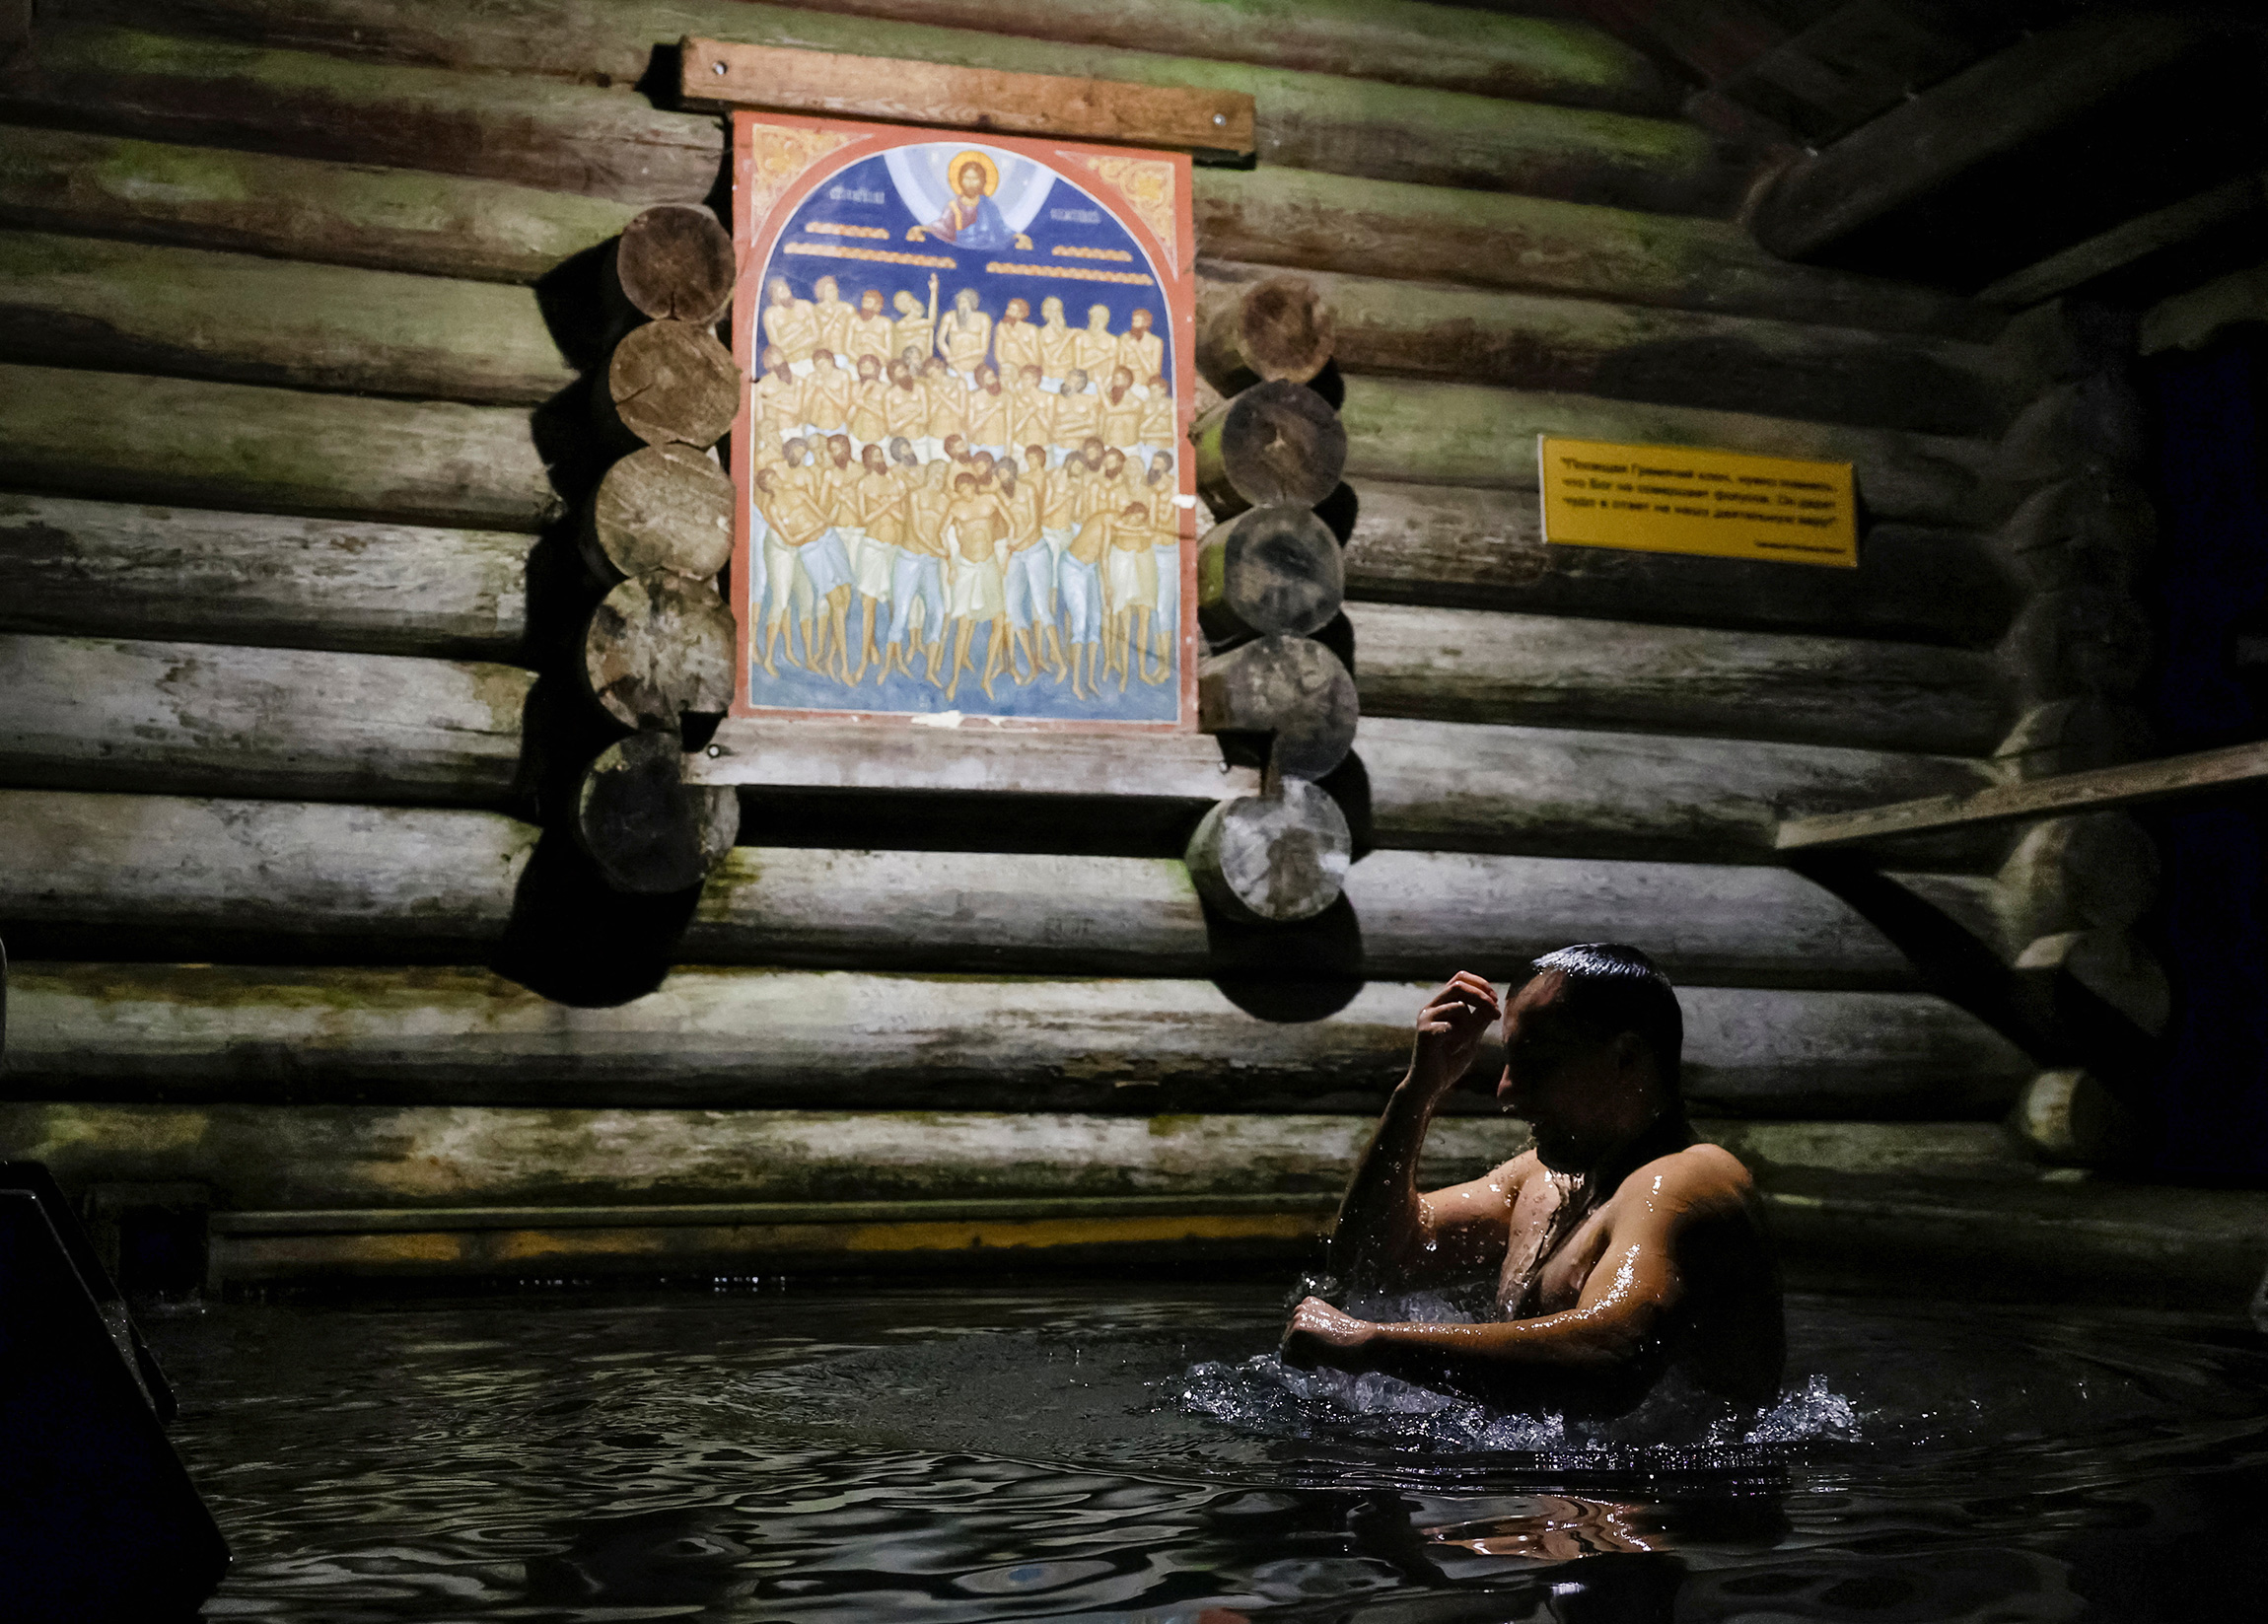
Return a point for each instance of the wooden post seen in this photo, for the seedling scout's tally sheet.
(2072, 1118)
(666, 506)
(1278, 329)
(1272, 569)
(674, 263)
(650, 831)
(672, 382)
(1276, 443)
(1291, 689)
(659, 647)
(1272, 859)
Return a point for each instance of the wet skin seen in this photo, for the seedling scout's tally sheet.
(1669, 1269)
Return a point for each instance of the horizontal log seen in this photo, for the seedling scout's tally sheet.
(597, 142)
(1294, 690)
(1447, 785)
(650, 833)
(1481, 666)
(114, 570)
(86, 713)
(336, 1163)
(1464, 547)
(1467, 434)
(1637, 352)
(1312, 120)
(345, 213)
(792, 1040)
(2105, 788)
(674, 264)
(2196, 318)
(2128, 242)
(1529, 59)
(125, 306)
(1307, 221)
(137, 876)
(1258, 325)
(126, 438)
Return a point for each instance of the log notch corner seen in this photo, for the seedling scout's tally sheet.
(1270, 582)
(658, 650)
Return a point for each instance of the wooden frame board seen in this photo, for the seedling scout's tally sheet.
(714, 73)
(921, 252)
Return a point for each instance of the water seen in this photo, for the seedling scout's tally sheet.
(1132, 1452)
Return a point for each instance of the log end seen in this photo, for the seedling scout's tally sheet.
(1272, 859)
(659, 647)
(674, 262)
(1285, 330)
(649, 831)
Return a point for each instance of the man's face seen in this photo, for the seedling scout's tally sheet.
(971, 180)
(1577, 1092)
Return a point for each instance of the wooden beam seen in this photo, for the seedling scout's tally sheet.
(147, 84)
(92, 713)
(1447, 785)
(2136, 784)
(2010, 97)
(111, 569)
(119, 436)
(125, 306)
(99, 875)
(1464, 434)
(2190, 321)
(298, 208)
(974, 755)
(1481, 548)
(1634, 352)
(1124, 1053)
(1480, 665)
(717, 74)
(2122, 246)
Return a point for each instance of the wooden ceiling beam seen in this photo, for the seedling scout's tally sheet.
(1988, 110)
(2124, 245)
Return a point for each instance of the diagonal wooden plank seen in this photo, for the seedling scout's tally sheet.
(2102, 790)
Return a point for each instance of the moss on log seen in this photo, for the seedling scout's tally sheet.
(239, 445)
(298, 208)
(1480, 665)
(111, 569)
(125, 306)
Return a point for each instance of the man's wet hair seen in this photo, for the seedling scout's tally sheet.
(1609, 989)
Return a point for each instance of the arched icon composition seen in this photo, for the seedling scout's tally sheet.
(963, 456)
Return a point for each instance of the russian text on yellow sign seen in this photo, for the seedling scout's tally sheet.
(1679, 499)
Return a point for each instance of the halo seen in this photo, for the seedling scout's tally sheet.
(962, 161)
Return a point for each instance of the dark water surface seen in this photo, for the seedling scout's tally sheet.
(1128, 1451)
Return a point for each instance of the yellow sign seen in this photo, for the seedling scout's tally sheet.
(1678, 499)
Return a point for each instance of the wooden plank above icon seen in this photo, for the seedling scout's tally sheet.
(798, 754)
(714, 73)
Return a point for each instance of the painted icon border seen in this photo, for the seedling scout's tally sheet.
(766, 199)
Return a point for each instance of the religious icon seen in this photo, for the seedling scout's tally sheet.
(948, 502)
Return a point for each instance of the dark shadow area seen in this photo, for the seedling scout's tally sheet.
(1349, 784)
(573, 936)
(1291, 972)
(1054, 824)
(2209, 477)
(1339, 637)
(1331, 386)
(1339, 512)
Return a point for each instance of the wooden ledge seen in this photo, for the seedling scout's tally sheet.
(713, 73)
(975, 756)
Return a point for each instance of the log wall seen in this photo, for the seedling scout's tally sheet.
(295, 305)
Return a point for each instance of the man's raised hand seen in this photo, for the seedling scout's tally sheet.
(1450, 1030)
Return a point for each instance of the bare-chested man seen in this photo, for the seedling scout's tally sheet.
(869, 331)
(976, 522)
(1621, 1247)
(914, 328)
(791, 325)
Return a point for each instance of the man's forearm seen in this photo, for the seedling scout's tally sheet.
(1485, 1361)
(1379, 1217)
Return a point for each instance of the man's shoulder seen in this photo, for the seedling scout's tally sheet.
(1699, 1179)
